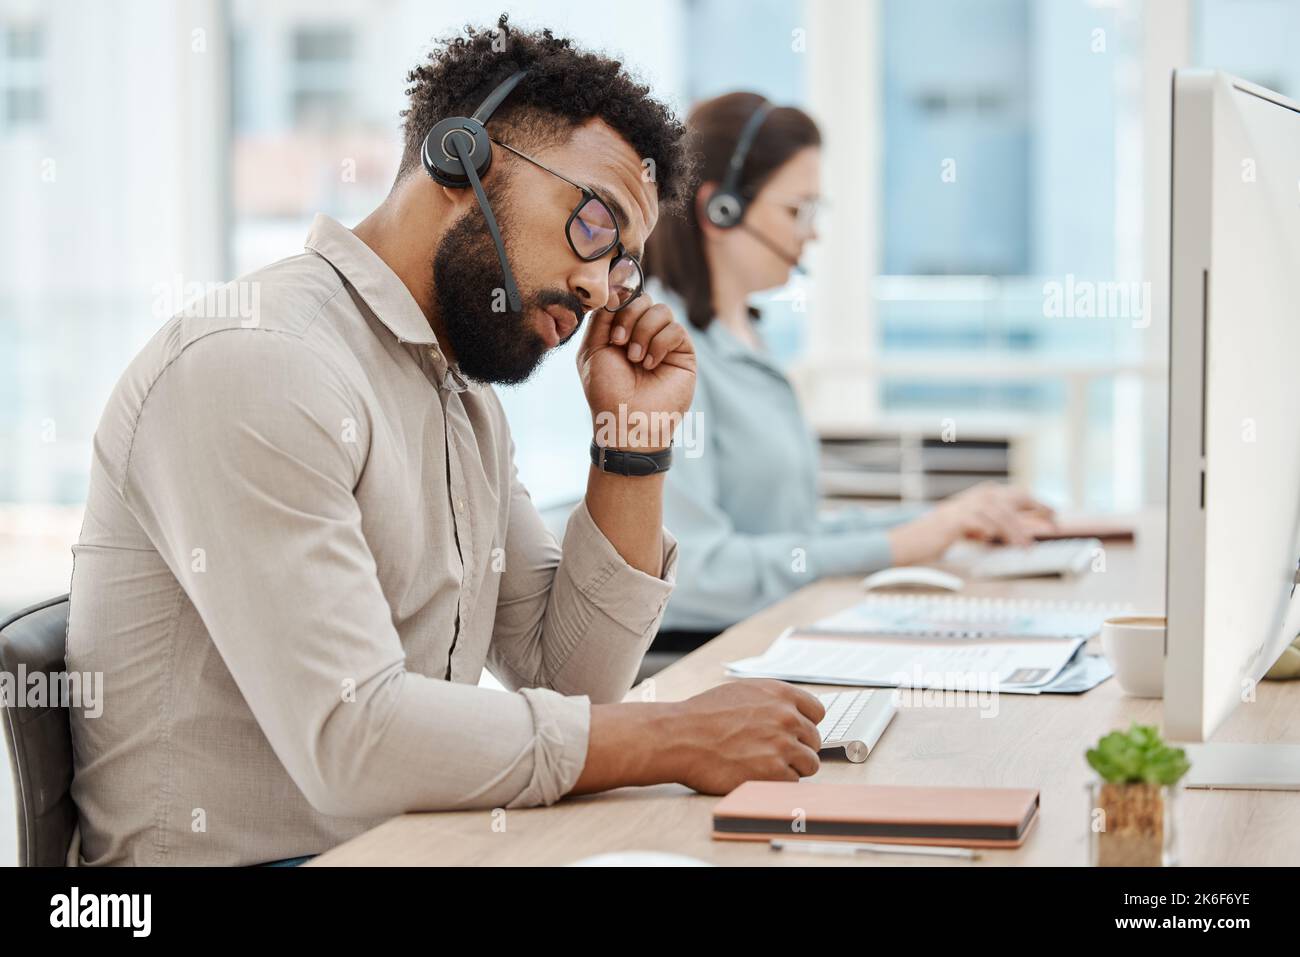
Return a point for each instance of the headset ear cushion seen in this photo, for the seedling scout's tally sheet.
(440, 159)
(724, 209)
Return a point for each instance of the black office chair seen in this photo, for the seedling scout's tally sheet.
(39, 739)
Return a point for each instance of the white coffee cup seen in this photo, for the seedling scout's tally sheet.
(1135, 647)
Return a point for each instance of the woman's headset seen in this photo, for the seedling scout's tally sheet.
(726, 207)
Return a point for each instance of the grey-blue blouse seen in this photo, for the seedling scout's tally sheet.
(741, 496)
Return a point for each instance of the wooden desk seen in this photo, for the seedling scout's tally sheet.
(1032, 741)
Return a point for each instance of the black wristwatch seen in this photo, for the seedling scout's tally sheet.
(630, 463)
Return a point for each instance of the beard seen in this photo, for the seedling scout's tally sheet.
(491, 346)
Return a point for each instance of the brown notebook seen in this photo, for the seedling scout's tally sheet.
(970, 817)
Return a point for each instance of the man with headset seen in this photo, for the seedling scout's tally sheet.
(305, 536)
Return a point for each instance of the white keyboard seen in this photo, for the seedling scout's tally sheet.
(855, 720)
(1060, 559)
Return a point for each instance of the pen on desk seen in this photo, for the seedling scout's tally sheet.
(847, 848)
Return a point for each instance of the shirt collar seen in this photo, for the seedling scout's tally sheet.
(385, 294)
(728, 344)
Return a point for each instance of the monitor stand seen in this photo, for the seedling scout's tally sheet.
(1252, 767)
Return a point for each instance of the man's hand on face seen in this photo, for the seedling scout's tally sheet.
(642, 360)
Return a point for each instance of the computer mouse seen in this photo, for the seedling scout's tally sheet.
(913, 578)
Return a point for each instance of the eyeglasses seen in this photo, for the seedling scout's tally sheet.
(806, 211)
(592, 232)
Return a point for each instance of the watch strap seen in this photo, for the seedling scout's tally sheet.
(630, 463)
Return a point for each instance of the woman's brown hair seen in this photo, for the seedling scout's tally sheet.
(675, 251)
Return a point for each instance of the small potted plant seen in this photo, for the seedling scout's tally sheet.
(1133, 799)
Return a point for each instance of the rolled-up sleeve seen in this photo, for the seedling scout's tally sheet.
(242, 468)
(575, 618)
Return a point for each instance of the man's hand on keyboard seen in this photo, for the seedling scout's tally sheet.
(987, 512)
(756, 729)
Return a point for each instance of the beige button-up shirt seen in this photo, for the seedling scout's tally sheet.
(305, 538)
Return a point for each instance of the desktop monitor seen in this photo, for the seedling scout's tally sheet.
(1234, 417)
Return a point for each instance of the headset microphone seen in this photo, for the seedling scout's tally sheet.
(457, 151)
(512, 290)
(777, 250)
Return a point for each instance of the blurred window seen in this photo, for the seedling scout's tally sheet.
(1004, 169)
(322, 76)
(22, 57)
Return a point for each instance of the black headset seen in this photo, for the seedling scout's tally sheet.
(458, 151)
(726, 207)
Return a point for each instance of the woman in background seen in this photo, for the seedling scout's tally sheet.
(744, 503)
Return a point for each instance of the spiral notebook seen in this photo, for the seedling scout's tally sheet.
(943, 642)
(961, 616)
